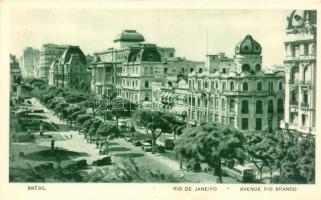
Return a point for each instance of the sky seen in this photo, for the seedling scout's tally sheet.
(193, 33)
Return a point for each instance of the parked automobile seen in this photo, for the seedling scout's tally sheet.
(160, 149)
(169, 144)
(44, 166)
(136, 142)
(146, 146)
(104, 161)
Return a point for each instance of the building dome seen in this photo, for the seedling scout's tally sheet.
(73, 50)
(129, 36)
(248, 46)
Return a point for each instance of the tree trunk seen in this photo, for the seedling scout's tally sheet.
(181, 161)
(153, 144)
(219, 171)
(116, 120)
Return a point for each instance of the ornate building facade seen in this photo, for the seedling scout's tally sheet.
(15, 77)
(128, 68)
(70, 71)
(240, 94)
(300, 68)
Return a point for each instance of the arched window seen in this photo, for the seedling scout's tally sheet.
(223, 104)
(259, 107)
(232, 105)
(232, 86)
(216, 84)
(259, 86)
(257, 67)
(246, 68)
(270, 106)
(146, 98)
(280, 85)
(245, 106)
(245, 86)
(280, 107)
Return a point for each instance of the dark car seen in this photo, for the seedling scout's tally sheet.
(136, 142)
(160, 149)
(104, 161)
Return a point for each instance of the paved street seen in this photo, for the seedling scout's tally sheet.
(119, 149)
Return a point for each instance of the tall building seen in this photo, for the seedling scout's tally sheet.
(15, 77)
(48, 54)
(241, 95)
(300, 73)
(70, 71)
(29, 61)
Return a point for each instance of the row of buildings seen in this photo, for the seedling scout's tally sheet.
(236, 91)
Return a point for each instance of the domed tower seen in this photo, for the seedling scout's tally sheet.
(127, 38)
(248, 57)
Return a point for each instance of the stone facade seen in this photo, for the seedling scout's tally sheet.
(70, 71)
(242, 95)
(300, 68)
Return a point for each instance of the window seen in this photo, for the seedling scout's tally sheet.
(245, 86)
(280, 108)
(280, 85)
(259, 107)
(232, 121)
(212, 85)
(257, 67)
(258, 124)
(216, 117)
(270, 86)
(224, 70)
(245, 106)
(223, 104)
(232, 86)
(259, 86)
(246, 68)
(223, 86)
(304, 119)
(146, 98)
(191, 70)
(305, 97)
(146, 84)
(245, 123)
(270, 106)
(232, 105)
(205, 84)
(200, 70)
(165, 70)
(296, 51)
(216, 84)
(145, 70)
(223, 120)
(171, 54)
(199, 85)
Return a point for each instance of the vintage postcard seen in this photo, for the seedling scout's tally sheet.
(156, 100)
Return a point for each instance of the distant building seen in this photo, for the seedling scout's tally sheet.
(241, 95)
(48, 54)
(15, 77)
(70, 71)
(300, 73)
(29, 61)
(218, 62)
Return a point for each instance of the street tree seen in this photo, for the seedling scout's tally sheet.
(214, 143)
(154, 122)
(109, 132)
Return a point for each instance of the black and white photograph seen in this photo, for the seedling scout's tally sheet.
(162, 96)
(159, 101)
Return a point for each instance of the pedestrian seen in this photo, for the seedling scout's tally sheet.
(71, 137)
(183, 175)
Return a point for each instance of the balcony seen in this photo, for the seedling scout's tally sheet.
(304, 105)
(294, 103)
(296, 81)
(306, 83)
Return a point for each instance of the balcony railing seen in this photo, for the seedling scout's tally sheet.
(304, 105)
(307, 83)
(295, 81)
(294, 103)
